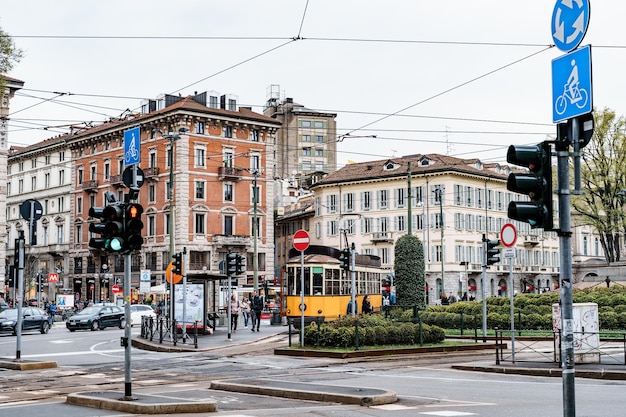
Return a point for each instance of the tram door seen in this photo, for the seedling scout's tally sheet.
(307, 281)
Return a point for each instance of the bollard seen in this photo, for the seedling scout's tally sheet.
(356, 334)
(461, 323)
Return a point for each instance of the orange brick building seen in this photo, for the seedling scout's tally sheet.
(219, 154)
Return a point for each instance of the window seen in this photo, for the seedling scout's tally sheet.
(383, 224)
(320, 139)
(332, 228)
(255, 194)
(168, 157)
(107, 171)
(319, 152)
(331, 203)
(228, 131)
(152, 193)
(152, 161)
(167, 223)
(367, 225)
(59, 234)
(151, 226)
(33, 163)
(93, 172)
(255, 162)
(232, 104)
(79, 175)
(199, 161)
(200, 190)
(200, 128)
(480, 197)
(305, 123)
(33, 183)
(79, 233)
(401, 223)
(366, 200)
(382, 199)
(21, 166)
(258, 226)
(384, 255)
(61, 202)
(438, 253)
(62, 156)
(320, 124)
(350, 226)
(47, 159)
(228, 192)
(255, 135)
(458, 195)
(305, 138)
(20, 186)
(46, 180)
(79, 205)
(306, 151)
(200, 223)
(348, 202)
(228, 225)
(400, 197)
(227, 158)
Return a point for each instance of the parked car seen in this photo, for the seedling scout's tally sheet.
(3, 305)
(137, 311)
(33, 318)
(96, 317)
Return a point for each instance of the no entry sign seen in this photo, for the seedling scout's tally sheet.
(508, 235)
(301, 240)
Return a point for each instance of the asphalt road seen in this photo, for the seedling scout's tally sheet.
(425, 385)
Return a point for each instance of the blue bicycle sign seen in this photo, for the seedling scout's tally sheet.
(571, 85)
(132, 146)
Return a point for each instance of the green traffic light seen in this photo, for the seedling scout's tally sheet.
(115, 244)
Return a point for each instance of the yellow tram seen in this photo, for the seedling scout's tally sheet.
(326, 286)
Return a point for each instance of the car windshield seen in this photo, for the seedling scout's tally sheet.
(8, 314)
(90, 311)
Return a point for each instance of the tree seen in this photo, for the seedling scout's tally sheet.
(603, 174)
(9, 55)
(410, 281)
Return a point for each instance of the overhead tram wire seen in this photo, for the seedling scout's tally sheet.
(455, 87)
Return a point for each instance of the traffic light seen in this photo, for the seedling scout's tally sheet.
(344, 259)
(492, 252)
(134, 225)
(178, 263)
(240, 267)
(536, 184)
(98, 228)
(114, 228)
(231, 264)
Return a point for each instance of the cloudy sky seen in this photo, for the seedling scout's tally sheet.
(464, 78)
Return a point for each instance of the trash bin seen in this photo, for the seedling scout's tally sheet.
(276, 320)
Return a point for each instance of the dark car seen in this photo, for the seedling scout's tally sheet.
(97, 317)
(34, 318)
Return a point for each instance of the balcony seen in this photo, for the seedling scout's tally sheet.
(379, 237)
(229, 173)
(232, 240)
(90, 186)
(116, 180)
(151, 173)
(531, 240)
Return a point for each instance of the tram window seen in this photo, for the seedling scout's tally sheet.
(317, 283)
(291, 282)
(307, 281)
(332, 282)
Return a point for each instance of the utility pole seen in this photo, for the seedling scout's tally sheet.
(255, 232)
(410, 201)
(439, 193)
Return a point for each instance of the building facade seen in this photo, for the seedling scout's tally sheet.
(219, 164)
(306, 142)
(452, 203)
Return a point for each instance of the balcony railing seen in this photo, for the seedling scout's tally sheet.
(382, 237)
(116, 180)
(229, 173)
(91, 185)
(151, 172)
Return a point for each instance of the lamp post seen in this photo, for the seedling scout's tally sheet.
(255, 232)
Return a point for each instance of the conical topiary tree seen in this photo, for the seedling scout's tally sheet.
(409, 280)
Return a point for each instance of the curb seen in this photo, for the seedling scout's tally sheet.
(139, 404)
(310, 392)
(549, 372)
(19, 365)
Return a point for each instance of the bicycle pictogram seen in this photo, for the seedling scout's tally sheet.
(571, 92)
(132, 153)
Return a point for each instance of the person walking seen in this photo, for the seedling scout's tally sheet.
(366, 307)
(234, 312)
(245, 311)
(256, 304)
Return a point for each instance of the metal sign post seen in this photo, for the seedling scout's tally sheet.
(301, 242)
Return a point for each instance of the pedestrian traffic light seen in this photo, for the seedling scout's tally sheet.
(231, 264)
(240, 267)
(134, 225)
(536, 184)
(492, 252)
(344, 259)
(178, 263)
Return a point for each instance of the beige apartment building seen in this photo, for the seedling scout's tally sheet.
(452, 204)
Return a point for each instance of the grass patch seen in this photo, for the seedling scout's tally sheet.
(377, 347)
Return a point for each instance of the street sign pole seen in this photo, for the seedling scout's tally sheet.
(301, 242)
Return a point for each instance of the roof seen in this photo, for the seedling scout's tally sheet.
(421, 164)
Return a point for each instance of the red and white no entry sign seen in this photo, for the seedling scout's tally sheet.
(508, 235)
(301, 240)
(115, 289)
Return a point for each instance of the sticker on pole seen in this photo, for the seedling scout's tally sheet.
(508, 235)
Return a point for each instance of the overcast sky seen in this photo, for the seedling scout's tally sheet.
(464, 78)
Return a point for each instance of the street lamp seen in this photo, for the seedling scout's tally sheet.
(255, 232)
(464, 263)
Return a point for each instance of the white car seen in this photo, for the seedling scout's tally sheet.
(139, 310)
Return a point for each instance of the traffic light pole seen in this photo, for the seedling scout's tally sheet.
(565, 242)
(353, 278)
(483, 289)
(20, 242)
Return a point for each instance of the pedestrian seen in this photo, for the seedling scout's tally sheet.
(234, 312)
(356, 307)
(256, 304)
(53, 310)
(366, 306)
(245, 311)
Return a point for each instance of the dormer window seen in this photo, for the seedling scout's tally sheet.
(424, 162)
(390, 166)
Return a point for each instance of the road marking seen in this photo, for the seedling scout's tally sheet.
(84, 352)
(447, 413)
